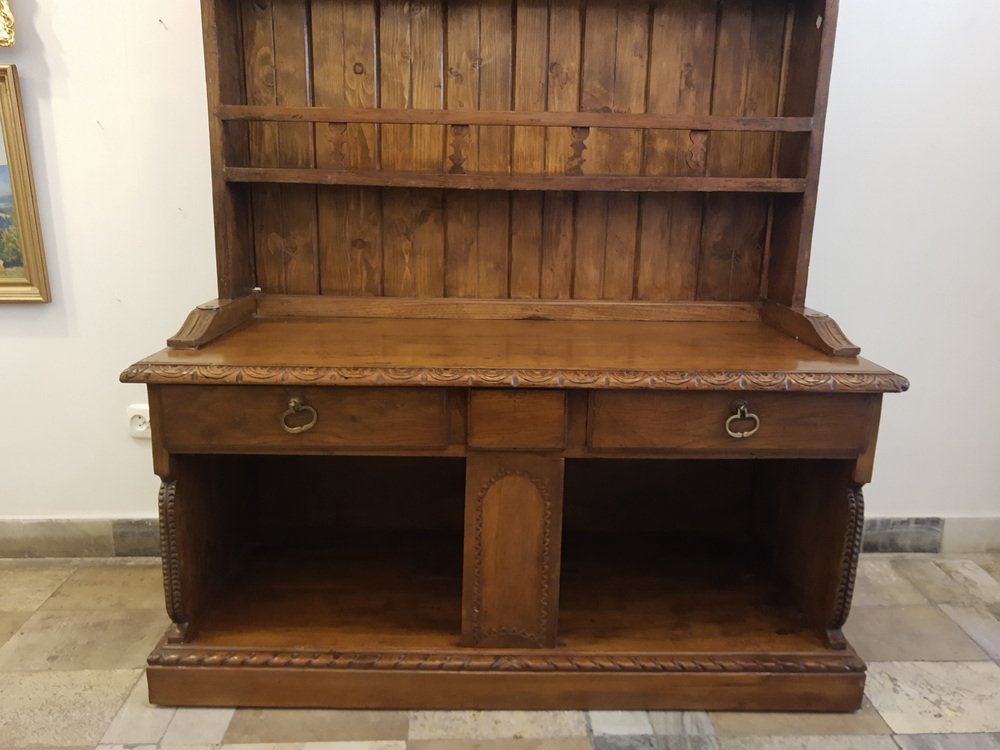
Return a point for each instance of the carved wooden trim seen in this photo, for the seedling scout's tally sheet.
(170, 555)
(505, 662)
(711, 380)
(852, 550)
(813, 328)
(211, 321)
(478, 633)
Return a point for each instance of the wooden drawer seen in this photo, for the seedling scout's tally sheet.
(218, 419)
(791, 424)
(527, 420)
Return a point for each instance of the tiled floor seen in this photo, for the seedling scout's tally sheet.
(74, 635)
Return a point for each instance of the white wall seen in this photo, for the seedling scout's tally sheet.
(906, 256)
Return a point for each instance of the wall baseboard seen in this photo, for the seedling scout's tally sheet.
(140, 537)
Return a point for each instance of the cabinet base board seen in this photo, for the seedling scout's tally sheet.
(181, 676)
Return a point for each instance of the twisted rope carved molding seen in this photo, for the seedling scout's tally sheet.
(173, 657)
(852, 550)
(170, 554)
(713, 380)
(477, 572)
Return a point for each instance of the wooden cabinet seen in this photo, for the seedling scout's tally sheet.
(510, 398)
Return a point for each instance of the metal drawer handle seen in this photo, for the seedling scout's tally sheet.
(295, 406)
(743, 413)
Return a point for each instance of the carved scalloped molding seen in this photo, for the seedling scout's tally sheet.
(492, 662)
(170, 554)
(852, 550)
(714, 380)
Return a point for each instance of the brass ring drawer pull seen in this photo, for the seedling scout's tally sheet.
(295, 406)
(743, 413)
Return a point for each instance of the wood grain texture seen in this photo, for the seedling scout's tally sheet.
(517, 420)
(512, 551)
(214, 319)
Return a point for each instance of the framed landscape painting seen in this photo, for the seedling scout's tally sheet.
(23, 277)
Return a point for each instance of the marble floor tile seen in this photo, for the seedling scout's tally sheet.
(334, 745)
(197, 726)
(137, 721)
(111, 587)
(932, 581)
(563, 743)
(625, 742)
(620, 722)
(113, 639)
(949, 741)
(859, 742)
(60, 709)
(932, 697)
(25, 589)
(913, 633)
(982, 585)
(980, 624)
(681, 723)
(277, 725)
(865, 721)
(688, 742)
(10, 622)
(878, 583)
(484, 725)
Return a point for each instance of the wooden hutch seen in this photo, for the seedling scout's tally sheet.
(509, 398)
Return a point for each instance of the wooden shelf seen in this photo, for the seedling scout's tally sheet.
(534, 182)
(617, 120)
(361, 592)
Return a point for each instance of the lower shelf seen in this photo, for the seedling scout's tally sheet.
(373, 621)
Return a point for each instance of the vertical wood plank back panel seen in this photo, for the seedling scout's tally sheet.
(412, 49)
(748, 58)
(681, 71)
(698, 57)
(531, 66)
(344, 66)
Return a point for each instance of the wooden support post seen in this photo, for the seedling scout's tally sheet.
(513, 530)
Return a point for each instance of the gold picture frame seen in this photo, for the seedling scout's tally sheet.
(23, 276)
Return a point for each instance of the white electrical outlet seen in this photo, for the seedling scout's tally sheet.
(138, 421)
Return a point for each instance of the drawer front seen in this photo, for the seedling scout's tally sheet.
(511, 420)
(788, 424)
(218, 419)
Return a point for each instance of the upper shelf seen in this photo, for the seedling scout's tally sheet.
(620, 183)
(583, 119)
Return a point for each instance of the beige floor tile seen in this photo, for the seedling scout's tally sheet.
(137, 721)
(253, 725)
(914, 633)
(865, 721)
(620, 722)
(933, 582)
(878, 742)
(681, 723)
(114, 587)
(197, 726)
(930, 697)
(982, 585)
(878, 583)
(485, 725)
(25, 588)
(346, 745)
(60, 709)
(949, 741)
(83, 640)
(574, 743)
(980, 624)
(10, 622)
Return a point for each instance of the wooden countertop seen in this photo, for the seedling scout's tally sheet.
(740, 355)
